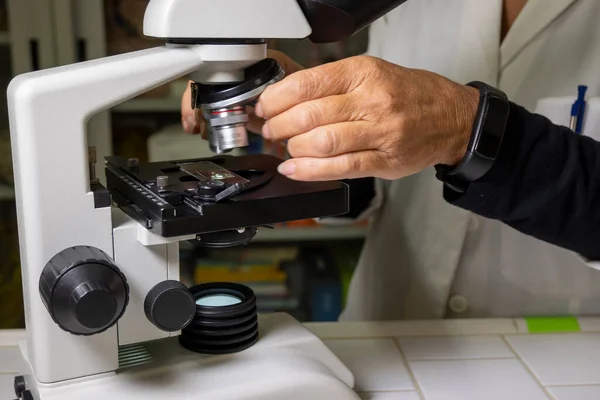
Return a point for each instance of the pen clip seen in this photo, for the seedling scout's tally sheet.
(581, 91)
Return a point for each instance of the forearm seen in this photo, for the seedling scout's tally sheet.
(545, 183)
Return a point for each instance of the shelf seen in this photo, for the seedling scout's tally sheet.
(6, 192)
(169, 103)
(166, 104)
(4, 38)
(308, 234)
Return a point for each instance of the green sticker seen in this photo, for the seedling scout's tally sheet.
(346, 278)
(552, 324)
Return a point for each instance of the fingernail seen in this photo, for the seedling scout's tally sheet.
(258, 110)
(287, 168)
(266, 131)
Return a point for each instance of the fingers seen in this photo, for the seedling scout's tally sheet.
(188, 115)
(346, 166)
(201, 125)
(310, 115)
(191, 119)
(309, 84)
(334, 140)
(254, 123)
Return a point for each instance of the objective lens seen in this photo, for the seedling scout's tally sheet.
(227, 128)
(218, 300)
(224, 105)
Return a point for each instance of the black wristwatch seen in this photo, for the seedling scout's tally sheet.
(485, 142)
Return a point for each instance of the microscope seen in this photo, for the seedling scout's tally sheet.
(107, 316)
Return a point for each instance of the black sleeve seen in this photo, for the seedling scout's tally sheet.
(545, 183)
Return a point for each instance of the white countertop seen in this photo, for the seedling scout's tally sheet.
(446, 360)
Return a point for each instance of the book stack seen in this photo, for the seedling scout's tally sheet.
(260, 269)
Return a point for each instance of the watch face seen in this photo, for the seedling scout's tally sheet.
(494, 124)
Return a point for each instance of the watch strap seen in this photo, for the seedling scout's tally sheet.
(485, 141)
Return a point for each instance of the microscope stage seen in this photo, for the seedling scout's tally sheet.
(219, 194)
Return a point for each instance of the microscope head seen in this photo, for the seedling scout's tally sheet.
(223, 88)
(323, 21)
(225, 21)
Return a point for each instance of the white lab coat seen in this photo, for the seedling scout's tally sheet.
(427, 259)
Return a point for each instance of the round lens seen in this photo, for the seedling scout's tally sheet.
(218, 300)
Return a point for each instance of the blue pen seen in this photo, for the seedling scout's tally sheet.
(578, 110)
(574, 113)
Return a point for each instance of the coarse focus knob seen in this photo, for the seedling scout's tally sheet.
(84, 292)
(170, 306)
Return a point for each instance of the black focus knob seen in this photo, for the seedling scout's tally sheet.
(27, 395)
(84, 292)
(170, 306)
(210, 188)
(20, 386)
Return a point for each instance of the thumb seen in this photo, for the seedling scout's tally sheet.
(189, 116)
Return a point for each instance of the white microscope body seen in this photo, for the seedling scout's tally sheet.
(58, 209)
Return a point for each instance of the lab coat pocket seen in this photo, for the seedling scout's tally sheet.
(540, 269)
(591, 122)
(558, 110)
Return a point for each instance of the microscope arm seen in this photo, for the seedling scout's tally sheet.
(48, 115)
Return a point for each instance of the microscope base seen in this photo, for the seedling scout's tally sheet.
(288, 362)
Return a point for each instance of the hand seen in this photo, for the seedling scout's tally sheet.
(364, 117)
(192, 120)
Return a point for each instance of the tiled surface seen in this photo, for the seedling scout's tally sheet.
(454, 348)
(446, 360)
(589, 324)
(521, 325)
(11, 337)
(576, 392)
(350, 330)
(476, 380)
(561, 359)
(390, 396)
(10, 359)
(6, 386)
(375, 363)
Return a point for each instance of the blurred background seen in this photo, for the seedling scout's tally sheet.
(301, 268)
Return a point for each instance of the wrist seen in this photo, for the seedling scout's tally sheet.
(464, 101)
(487, 130)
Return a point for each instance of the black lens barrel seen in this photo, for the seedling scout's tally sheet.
(224, 329)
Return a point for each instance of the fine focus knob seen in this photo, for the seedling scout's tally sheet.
(84, 292)
(170, 306)
(210, 188)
